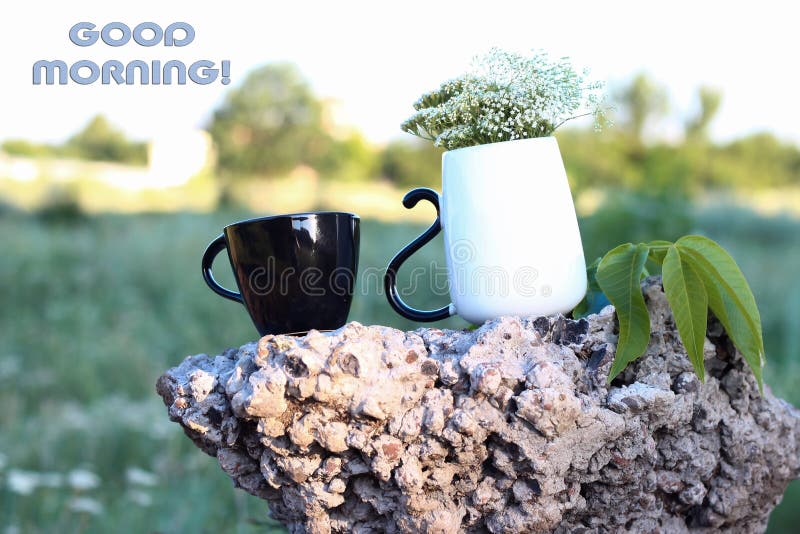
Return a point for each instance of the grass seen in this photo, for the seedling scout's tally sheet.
(95, 308)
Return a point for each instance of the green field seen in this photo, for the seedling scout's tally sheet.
(94, 309)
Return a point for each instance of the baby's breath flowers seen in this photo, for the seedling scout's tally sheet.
(505, 96)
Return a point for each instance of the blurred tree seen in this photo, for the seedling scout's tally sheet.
(697, 126)
(411, 164)
(101, 141)
(22, 147)
(642, 100)
(757, 160)
(351, 158)
(269, 124)
(598, 159)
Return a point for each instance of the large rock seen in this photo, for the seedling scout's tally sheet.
(508, 428)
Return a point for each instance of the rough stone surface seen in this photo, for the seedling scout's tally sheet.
(508, 428)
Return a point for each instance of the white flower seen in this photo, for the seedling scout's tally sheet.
(140, 477)
(86, 505)
(140, 497)
(505, 96)
(24, 482)
(82, 479)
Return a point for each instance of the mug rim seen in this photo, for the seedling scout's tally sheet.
(290, 216)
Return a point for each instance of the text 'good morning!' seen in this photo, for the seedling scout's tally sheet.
(136, 72)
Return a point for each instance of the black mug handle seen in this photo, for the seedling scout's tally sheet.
(214, 248)
(390, 279)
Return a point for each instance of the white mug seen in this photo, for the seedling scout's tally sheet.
(511, 235)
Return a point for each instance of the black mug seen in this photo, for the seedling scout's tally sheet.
(295, 272)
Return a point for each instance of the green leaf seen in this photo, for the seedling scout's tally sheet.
(619, 275)
(658, 249)
(729, 297)
(584, 307)
(591, 275)
(689, 302)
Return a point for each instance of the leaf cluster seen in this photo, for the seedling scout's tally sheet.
(698, 275)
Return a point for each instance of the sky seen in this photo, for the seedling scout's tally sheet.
(375, 58)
